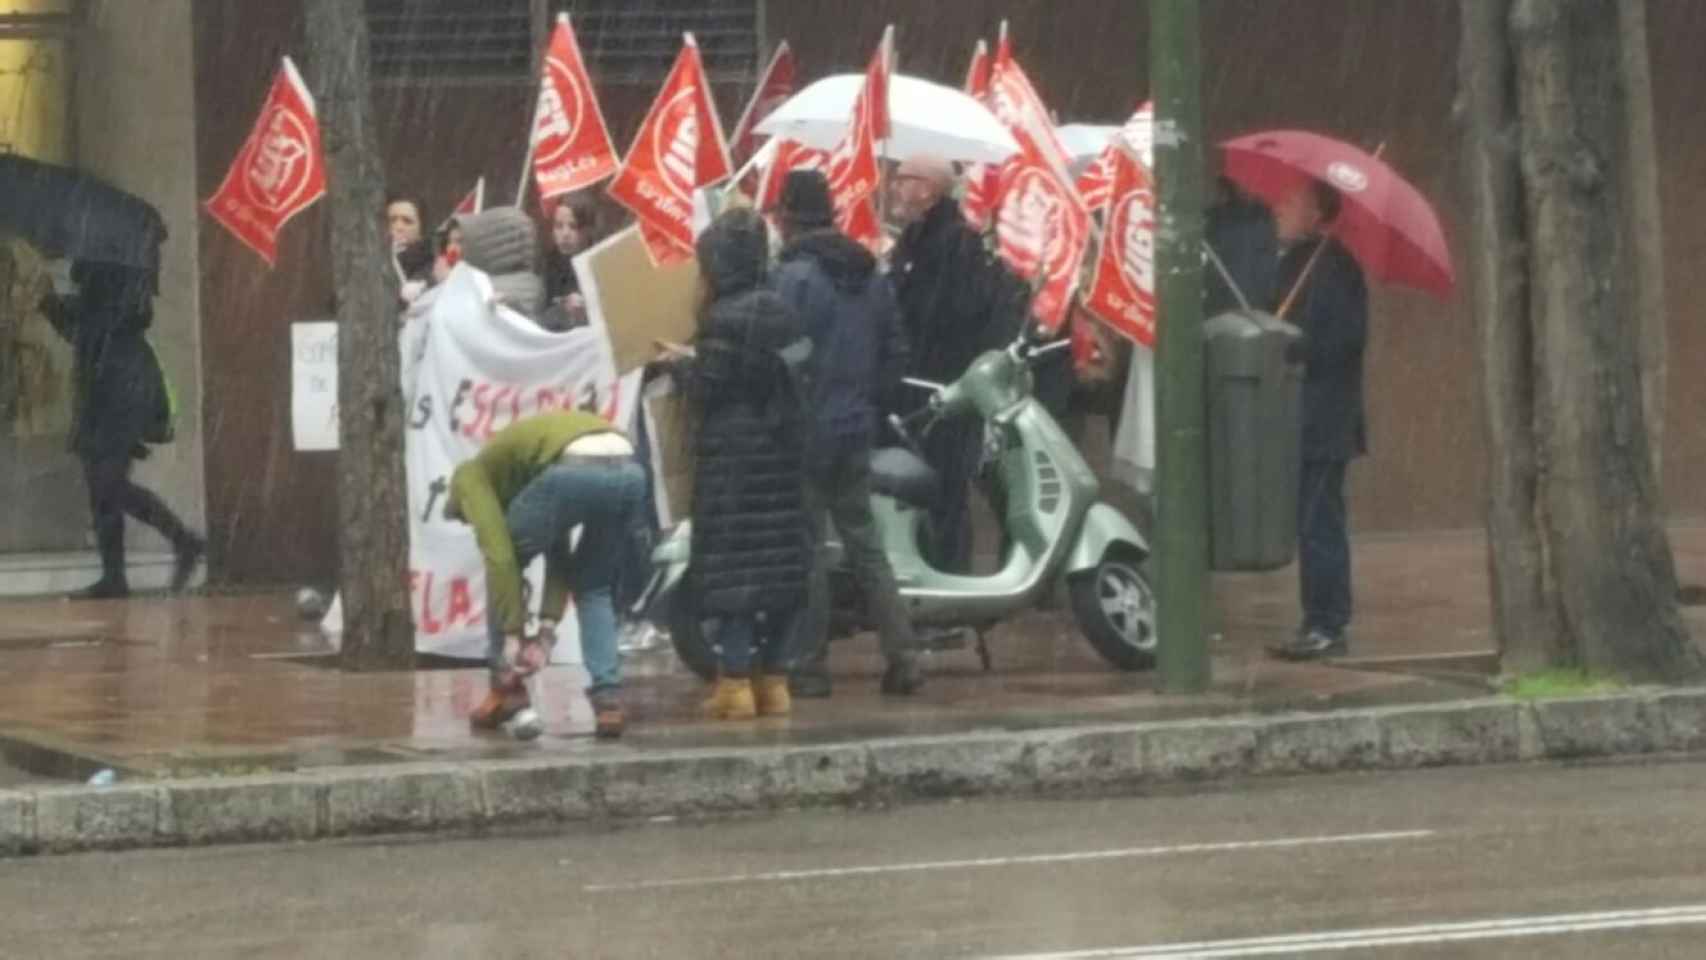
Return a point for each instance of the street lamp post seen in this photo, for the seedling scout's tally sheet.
(1181, 481)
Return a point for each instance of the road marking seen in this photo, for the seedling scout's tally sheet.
(1433, 933)
(831, 873)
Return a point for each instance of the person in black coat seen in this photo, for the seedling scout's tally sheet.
(849, 313)
(120, 404)
(1331, 307)
(956, 301)
(1241, 232)
(751, 550)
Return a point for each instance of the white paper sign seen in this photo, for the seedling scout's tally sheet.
(314, 386)
(477, 368)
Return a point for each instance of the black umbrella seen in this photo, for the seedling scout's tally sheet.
(67, 213)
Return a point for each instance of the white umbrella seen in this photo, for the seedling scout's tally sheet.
(1086, 141)
(926, 118)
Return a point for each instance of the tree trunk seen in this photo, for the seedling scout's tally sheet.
(1607, 556)
(1526, 620)
(373, 541)
(1644, 226)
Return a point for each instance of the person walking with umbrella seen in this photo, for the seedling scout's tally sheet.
(121, 405)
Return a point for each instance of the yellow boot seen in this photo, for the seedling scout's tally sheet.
(771, 693)
(731, 699)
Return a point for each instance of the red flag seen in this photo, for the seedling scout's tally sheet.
(571, 144)
(853, 172)
(678, 149)
(1015, 102)
(475, 201)
(278, 173)
(983, 180)
(1096, 183)
(1042, 227)
(774, 88)
(1123, 291)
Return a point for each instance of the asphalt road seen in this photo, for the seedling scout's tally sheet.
(1599, 861)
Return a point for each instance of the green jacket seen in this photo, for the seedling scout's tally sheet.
(480, 493)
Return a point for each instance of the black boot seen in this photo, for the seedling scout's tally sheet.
(189, 552)
(113, 585)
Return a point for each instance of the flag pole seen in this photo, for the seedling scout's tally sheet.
(882, 159)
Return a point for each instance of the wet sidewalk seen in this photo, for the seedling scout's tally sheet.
(230, 685)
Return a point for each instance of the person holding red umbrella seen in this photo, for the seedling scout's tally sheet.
(1329, 302)
(1339, 212)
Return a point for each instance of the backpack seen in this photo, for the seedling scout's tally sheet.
(164, 428)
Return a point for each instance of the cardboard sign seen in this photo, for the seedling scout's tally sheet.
(314, 386)
(634, 303)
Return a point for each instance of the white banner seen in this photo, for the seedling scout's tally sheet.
(472, 368)
(314, 386)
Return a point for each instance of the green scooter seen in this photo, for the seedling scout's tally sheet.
(1055, 526)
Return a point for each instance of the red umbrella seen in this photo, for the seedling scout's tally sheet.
(1385, 221)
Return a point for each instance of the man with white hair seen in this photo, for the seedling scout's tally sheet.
(956, 301)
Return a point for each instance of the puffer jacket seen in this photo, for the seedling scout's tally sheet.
(751, 547)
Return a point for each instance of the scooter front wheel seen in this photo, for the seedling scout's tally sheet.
(1115, 607)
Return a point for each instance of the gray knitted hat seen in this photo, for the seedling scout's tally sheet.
(500, 240)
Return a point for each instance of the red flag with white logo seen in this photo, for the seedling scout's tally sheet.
(1042, 226)
(774, 89)
(1123, 291)
(571, 144)
(678, 149)
(1015, 103)
(1096, 183)
(853, 171)
(983, 180)
(279, 172)
(475, 201)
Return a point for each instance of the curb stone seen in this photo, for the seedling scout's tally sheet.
(626, 785)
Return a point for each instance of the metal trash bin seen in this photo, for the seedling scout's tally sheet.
(1253, 383)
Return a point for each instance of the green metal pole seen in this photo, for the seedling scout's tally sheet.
(1181, 454)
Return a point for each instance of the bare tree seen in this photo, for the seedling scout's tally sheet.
(1559, 162)
(373, 542)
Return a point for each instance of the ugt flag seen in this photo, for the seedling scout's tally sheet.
(571, 144)
(1123, 292)
(1042, 227)
(678, 149)
(278, 173)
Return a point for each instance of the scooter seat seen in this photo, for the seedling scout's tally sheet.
(899, 473)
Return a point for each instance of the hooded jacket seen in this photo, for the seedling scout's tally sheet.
(503, 244)
(751, 550)
(849, 312)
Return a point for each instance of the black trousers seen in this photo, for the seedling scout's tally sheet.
(1324, 547)
(112, 495)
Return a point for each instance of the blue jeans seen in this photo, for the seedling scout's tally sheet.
(1324, 547)
(604, 500)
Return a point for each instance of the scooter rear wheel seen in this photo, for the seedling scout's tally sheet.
(1115, 608)
(687, 635)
